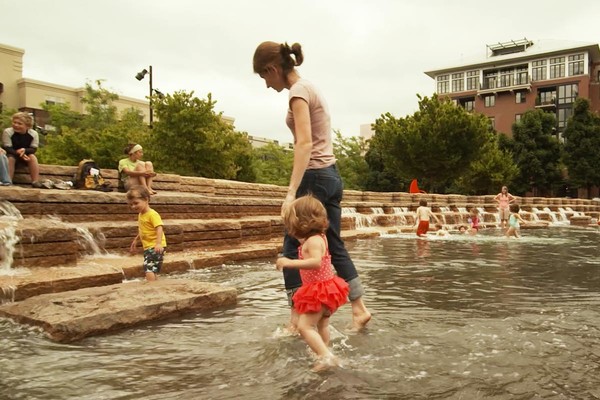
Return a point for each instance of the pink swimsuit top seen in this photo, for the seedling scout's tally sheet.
(325, 271)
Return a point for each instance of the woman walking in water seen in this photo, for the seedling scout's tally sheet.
(314, 170)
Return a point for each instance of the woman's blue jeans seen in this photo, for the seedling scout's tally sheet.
(326, 185)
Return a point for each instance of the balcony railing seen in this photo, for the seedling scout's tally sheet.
(546, 103)
(506, 83)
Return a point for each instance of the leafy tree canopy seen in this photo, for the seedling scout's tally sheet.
(189, 138)
(582, 145)
(351, 162)
(273, 164)
(536, 151)
(436, 145)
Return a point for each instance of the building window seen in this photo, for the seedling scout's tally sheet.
(563, 117)
(518, 117)
(490, 101)
(567, 93)
(521, 76)
(492, 123)
(547, 97)
(469, 105)
(443, 83)
(519, 97)
(557, 67)
(506, 77)
(472, 80)
(489, 79)
(538, 70)
(458, 82)
(576, 65)
(51, 100)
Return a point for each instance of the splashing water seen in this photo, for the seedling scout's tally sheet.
(9, 218)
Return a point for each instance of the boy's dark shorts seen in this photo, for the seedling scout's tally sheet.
(152, 260)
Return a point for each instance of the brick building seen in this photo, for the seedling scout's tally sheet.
(521, 75)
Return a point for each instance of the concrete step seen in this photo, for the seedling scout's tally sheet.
(74, 315)
(91, 271)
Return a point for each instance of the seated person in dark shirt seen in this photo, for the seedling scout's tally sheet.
(21, 143)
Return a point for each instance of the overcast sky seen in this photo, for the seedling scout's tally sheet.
(368, 57)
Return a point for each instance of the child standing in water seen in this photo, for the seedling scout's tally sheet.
(150, 231)
(513, 221)
(322, 292)
(474, 221)
(423, 214)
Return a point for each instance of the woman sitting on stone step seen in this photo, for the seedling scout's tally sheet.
(133, 171)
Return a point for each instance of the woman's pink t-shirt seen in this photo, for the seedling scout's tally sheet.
(321, 155)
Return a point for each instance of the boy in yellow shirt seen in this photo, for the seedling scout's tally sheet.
(150, 232)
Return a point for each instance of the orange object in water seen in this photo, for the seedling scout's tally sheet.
(414, 187)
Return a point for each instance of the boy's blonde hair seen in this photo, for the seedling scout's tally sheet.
(24, 118)
(138, 192)
(306, 216)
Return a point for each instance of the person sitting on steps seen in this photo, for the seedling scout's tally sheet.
(20, 143)
(133, 171)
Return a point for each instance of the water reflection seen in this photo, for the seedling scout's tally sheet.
(459, 317)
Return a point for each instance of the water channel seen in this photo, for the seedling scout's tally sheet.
(455, 317)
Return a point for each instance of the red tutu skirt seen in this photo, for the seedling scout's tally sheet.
(311, 297)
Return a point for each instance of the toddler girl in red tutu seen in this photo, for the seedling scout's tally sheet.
(322, 292)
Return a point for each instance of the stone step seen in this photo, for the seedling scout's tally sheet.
(23, 283)
(74, 315)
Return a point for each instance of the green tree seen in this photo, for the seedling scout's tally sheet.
(189, 138)
(436, 145)
(582, 146)
(98, 134)
(383, 176)
(493, 169)
(536, 151)
(273, 164)
(351, 162)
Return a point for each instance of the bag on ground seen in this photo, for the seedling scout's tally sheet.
(88, 177)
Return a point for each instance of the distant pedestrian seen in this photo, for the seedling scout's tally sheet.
(514, 227)
(504, 200)
(422, 217)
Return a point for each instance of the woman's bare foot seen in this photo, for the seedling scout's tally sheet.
(360, 314)
(360, 321)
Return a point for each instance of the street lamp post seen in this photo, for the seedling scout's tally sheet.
(139, 76)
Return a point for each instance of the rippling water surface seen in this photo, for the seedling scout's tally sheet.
(453, 318)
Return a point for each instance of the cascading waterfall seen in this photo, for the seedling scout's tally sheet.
(9, 218)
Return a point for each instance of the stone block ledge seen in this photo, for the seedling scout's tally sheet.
(74, 315)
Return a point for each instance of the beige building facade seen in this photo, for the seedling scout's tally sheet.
(25, 94)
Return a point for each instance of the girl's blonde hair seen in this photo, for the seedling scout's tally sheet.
(305, 217)
(138, 192)
(24, 118)
(279, 54)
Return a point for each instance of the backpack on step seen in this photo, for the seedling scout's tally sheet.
(88, 177)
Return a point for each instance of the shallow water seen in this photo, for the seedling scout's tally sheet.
(454, 318)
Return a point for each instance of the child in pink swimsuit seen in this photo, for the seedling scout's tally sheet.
(322, 292)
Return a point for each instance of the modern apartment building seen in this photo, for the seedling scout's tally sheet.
(521, 75)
